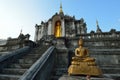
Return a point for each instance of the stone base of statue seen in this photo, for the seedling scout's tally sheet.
(67, 77)
(84, 68)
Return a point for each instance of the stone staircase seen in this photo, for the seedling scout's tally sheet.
(108, 60)
(111, 71)
(14, 70)
(58, 72)
(61, 64)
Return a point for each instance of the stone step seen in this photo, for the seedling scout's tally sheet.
(115, 72)
(35, 55)
(13, 71)
(27, 61)
(40, 49)
(59, 71)
(32, 56)
(104, 53)
(59, 68)
(109, 66)
(111, 70)
(114, 76)
(102, 47)
(67, 77)
(19, 66)
(54, 77)
(9, 77)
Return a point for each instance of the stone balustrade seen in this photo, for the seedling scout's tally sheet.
(42, 68)
(12, 56)
(100, 35)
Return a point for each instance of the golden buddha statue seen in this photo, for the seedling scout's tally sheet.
(57, 29)
(82, 63)
(81, 53)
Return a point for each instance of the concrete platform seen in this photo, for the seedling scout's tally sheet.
(67, 77)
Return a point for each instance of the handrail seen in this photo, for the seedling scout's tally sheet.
(12, 56)
(14, 53)
(37, 66)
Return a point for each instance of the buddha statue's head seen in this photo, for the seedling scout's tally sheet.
(80, 43)
(58, 23)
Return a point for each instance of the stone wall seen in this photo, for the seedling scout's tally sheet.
(98, 46)
(13, 44)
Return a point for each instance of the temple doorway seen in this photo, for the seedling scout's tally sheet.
(57, 30)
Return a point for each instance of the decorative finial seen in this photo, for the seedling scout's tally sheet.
(97, 22)
(21, 31)
(61, 11)
(98, 28)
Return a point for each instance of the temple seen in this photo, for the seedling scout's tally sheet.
(60, 25)
(64, 31)
(58, 50)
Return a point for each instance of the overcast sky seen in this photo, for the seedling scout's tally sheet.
(24, 14)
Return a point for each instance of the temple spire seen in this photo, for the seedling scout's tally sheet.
(21, 31)
(98, 28)
(61, 11)
(97, 23)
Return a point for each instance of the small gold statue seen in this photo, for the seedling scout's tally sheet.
(58, 29)
(82, 64)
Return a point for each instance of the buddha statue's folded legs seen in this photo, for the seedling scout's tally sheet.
(83, 59)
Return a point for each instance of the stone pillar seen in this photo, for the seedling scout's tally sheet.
(62, 53)
(49, 28)
(73, 25)
(78, 28)
(36, 33)
(73, 28)
(63, 28)
(41, 32)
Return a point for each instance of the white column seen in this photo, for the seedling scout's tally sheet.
(39, 33)
(36, 33)
(78, 28)
(49, 28)
(73, 25)
(73, 28)
(63, 28)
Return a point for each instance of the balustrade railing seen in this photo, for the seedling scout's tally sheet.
(13, 55)
(100, 35)
(41, 69)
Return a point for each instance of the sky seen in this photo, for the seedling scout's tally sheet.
(17, 15)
